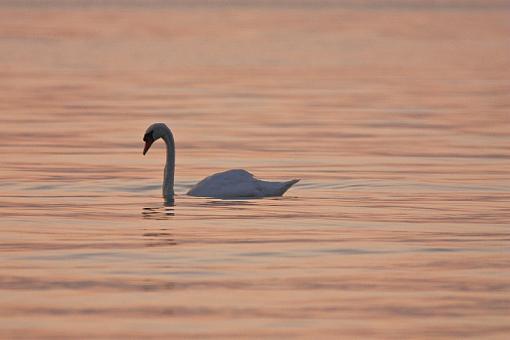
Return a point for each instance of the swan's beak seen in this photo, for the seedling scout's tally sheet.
(148, 144)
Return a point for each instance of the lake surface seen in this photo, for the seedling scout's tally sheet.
(395, 117)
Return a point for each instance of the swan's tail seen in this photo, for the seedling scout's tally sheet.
(287, 185)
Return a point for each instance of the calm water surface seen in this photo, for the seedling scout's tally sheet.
(396, 119)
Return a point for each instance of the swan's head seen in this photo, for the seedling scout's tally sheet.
(153, 133)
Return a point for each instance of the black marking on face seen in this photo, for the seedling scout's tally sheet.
(148, 136)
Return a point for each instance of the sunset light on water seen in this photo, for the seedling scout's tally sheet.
(395, 116)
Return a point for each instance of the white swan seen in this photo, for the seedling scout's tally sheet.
(227, 184)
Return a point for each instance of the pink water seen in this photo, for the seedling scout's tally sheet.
(395, 117)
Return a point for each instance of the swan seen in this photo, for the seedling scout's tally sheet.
(227, 184)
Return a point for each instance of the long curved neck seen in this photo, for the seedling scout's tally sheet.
(168, 181)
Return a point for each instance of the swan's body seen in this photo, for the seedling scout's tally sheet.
(238, 183)
(227, 184)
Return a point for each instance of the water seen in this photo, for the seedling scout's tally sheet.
(395, 117)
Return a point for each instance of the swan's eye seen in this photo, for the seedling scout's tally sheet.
(148, 136)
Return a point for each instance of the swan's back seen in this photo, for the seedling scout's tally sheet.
(238, 183)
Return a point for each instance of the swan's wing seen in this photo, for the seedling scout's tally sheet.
(231, 183)
(238, 183)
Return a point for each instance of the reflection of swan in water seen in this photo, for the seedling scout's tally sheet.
(159, 212)
(159, 238)
(228, 184)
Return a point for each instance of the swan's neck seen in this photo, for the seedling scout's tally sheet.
(168, 181)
